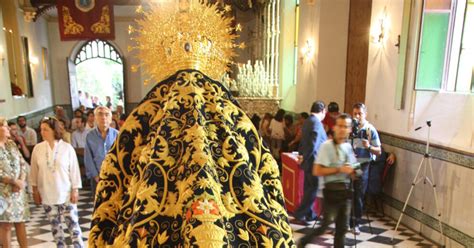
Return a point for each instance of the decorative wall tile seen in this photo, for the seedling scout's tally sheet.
(430, 221)
(437, 153)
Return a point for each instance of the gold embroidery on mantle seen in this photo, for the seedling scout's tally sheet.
(189, 170)
(70, 26)
(102, 26)
(207, 234)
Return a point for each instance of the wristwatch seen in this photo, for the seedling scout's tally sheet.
(368, 148)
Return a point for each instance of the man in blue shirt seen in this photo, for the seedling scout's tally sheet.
(334, 163)
(313, 135)
(98, 142)
(367, 146)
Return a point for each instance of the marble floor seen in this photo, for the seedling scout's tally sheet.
(39, 233)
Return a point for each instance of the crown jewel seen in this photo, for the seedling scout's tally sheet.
(193, 34)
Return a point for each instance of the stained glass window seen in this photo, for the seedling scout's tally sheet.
(97, 49)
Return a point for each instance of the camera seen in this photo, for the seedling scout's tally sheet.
(355, 128)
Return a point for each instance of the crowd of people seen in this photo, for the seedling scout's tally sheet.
(337, 153)
(91, 102)
(52, 171)
(283, 131)
(71, 151)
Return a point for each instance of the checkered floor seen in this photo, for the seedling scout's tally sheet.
(39, 232)
(378, 234)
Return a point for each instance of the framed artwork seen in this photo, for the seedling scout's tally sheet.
(44, 59)
(27, 65)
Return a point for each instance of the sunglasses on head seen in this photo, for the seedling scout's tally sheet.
(50, 120)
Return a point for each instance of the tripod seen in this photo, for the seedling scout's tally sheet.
(357, 134)
(424, 178)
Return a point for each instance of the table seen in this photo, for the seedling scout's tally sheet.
(293, 183)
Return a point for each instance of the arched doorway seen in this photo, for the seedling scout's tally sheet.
(96, 75)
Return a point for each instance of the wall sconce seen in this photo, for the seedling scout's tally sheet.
(308, 51)
(33, 60)
(2, 52)
(2, 55)
(379, 31)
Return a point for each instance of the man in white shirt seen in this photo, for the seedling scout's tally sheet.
(90, 124)
(26, 132)
(80, 134)
(79, 139)
(78, 114)
(88, 101)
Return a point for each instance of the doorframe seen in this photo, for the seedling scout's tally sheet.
(77, 48)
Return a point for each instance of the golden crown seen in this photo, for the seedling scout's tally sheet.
(191, 34)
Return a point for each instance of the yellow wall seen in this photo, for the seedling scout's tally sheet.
(37, 37)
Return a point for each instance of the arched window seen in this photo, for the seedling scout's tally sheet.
(97, 49)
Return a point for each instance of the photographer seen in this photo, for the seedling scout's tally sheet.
(367, 146)
(334, 164)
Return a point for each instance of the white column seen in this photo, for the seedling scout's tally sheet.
(268, 37)
(272, 51)
(277, 48)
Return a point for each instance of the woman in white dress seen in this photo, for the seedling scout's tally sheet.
(56, 179)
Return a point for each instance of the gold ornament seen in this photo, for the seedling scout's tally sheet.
(103, 25)
(71, 27)
(238, 27)
(193, 34)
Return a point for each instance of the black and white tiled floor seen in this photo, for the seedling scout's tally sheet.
(39, 232)
(379, 236)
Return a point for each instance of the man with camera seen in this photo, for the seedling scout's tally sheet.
(336, 163)
(367, 146)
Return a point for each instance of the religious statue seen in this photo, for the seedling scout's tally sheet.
(188, 168)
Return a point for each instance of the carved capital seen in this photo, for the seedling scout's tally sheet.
(29, 14)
